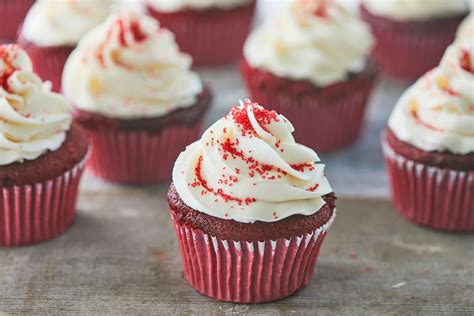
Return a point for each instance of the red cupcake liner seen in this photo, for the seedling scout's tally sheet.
(431, 196)
(327, 120)
(12, 13)
(39, 212)
(407, 50)
(48, 62)
(248, 271)
(139, 157)
(211, 37)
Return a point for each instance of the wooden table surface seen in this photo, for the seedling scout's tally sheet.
(121, 256)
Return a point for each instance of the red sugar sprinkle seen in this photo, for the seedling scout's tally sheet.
(9, 68)
(465, 61)
(314, 187)
(219, 192)
(302, 166)
(264, 117)
(414, 113)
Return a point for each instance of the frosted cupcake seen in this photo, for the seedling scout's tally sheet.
(12, 13)
(134, 92)
(429, 145)
(412, 35)
(311, 63)
(42, 155)
(53, 28)
(211, 31)
(247, 191)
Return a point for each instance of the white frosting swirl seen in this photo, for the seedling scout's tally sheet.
(178, 5)
(33, 119)
(247, 167)
(319, 41)
(437, 112)
(466, 29)
(63, 22)
(129, 67)
(405, 10)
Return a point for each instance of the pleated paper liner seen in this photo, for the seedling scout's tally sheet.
(48, 62)
(211, 37)
(435, 197)
(407, 50)
(249, 272)
(323, 121)
(12, 13)
(38, 212)
(139, 157)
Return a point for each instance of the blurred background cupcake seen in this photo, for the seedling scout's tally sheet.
(429, 145)
(246, 190)
(12, 13)
(211, 31)
(311, 63)
(52, 29)
(134, 92)
(42, 155)
(412, 35)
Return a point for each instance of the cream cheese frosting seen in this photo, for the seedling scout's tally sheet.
(437, 112)
(33, 120)
(178, 5)
(129, 67)
(405, 10)
(247, 167)
(315, 40)
(466, 29)
(63, 22)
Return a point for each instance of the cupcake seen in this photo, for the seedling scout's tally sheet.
(251, 208)
(466, 29)
(53, 28)
(211, 31)
(42, 155)
(311, 64)
(135, 94)
(412, 35)
(429, 145)
(12, 13)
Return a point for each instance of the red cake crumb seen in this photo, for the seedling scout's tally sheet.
(443, 159)
(295, 225)
(465, 61)
(50, 165)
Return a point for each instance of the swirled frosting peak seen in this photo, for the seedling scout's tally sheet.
(63, 22)
(315, 40)
(129, 67)
(247, 167)
(437, 112)
(33, 120)
(466, 29)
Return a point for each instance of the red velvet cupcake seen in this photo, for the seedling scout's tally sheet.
(429, 146)
(42, 155)
(12, 13)
(137, 97)
(251, 208)
(53, 28)
(412, 37)
(212, 31)
(311, 64)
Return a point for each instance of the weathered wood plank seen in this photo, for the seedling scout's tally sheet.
(121, 256)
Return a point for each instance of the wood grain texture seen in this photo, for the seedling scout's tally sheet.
(121, 257)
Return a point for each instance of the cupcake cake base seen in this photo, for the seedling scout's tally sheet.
(249, 263)
(430, 189)
(38, 200)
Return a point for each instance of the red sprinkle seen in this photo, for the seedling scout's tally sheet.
(264, 117)
(7, 58)
(465, 61)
